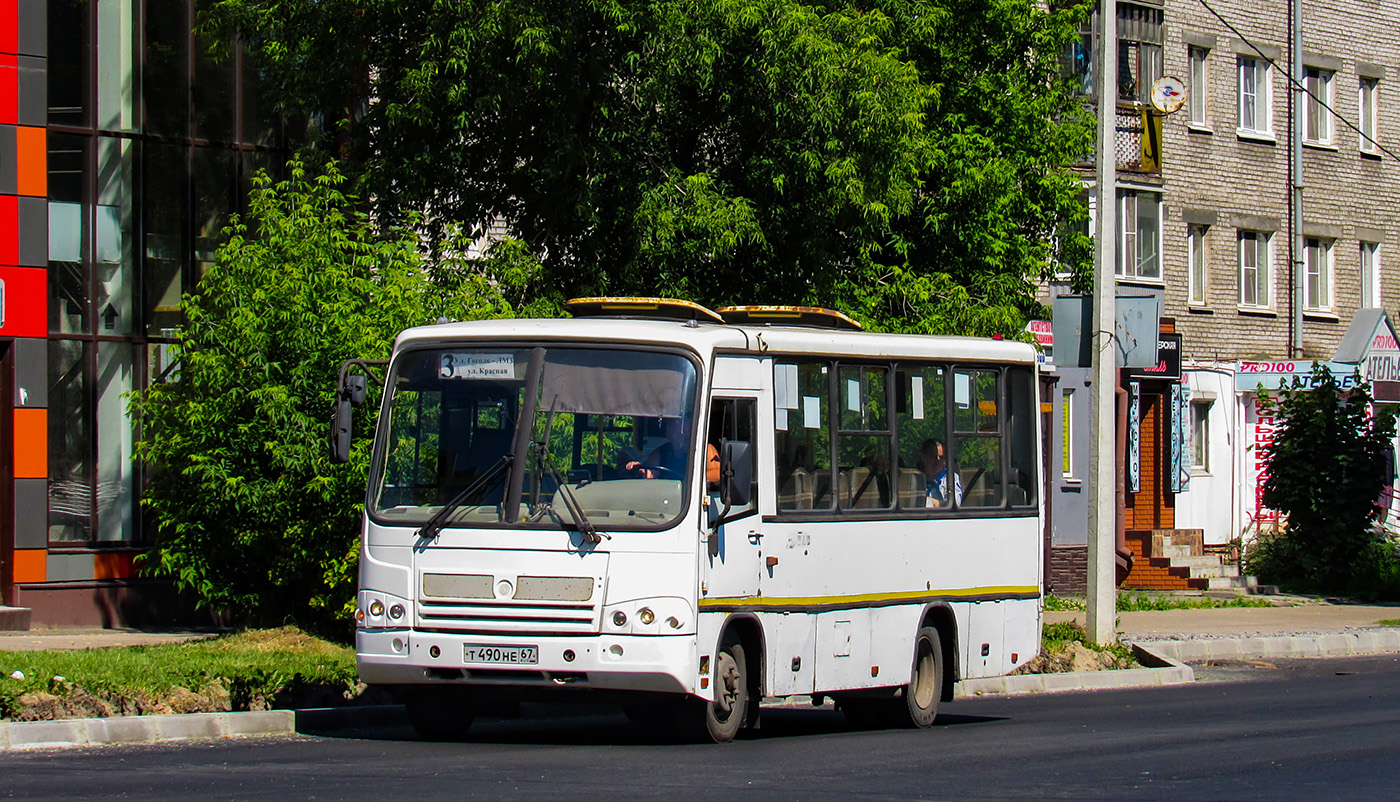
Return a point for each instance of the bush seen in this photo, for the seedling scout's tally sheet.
(1326, 470)
(253, 518)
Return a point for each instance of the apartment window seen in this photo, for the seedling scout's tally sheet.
(1369, 104)
(1317, 102)
(1200, 436)
(1140, 235)
(1254, 269)
(1200, 85)
(1077, 58)
(1196, 265)
(1370, 275)
(1139, 50)
(1255, 76)
(1317, 285)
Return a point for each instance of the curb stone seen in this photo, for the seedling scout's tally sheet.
(1162, 669)
(1343, 644)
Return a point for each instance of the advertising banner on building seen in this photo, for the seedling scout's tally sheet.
(1180, 470)
(1288, 373)
(1260, 426)
(1134, 438)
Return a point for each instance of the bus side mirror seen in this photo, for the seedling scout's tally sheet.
(349, 395)
(736, 469)
(340, 430)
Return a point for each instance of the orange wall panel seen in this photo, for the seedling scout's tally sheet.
(30, 565)
(31, 161)
(31, 444)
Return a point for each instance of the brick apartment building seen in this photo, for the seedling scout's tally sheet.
(1208, 230)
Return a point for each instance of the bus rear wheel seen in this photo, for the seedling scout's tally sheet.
(914, 705)
(925, 686)
(719, 721)
(439, 713)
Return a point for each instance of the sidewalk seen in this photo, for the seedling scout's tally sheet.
(67, 639)
(1164, 641)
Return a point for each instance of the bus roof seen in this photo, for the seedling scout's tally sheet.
(707, 338)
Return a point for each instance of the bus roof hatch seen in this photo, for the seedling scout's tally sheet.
(664, 308)
(788, 316)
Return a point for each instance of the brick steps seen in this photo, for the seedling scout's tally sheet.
(1175, 559)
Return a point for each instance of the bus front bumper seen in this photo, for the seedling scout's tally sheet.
(666, 664)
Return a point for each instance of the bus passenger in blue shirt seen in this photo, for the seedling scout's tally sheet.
(933, 462)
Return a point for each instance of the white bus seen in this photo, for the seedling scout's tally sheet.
(545, 517)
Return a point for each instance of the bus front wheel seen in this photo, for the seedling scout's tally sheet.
(719, 721)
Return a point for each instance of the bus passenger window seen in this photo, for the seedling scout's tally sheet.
(863, 444)
(977, 432)
(1022, 486)
(802, 437)
(923, 435)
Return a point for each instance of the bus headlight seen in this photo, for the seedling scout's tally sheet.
(375, 610)
(667, 615)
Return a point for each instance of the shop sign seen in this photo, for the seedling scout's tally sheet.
(1383, 359)
(1287, 373)
(1044, 333)
(1168, 360)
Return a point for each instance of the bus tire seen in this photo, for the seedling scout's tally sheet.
(915, 704)
(719, 721)
(439, 713)
(925, 686)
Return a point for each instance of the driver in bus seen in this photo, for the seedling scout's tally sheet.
(669, 457)
(933, 462)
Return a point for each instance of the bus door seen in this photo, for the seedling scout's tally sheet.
(735, 545)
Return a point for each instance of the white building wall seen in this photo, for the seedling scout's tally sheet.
(1211, 500)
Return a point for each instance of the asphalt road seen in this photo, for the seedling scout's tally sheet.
(1315, 730)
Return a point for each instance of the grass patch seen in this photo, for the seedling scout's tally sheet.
(1388, 622)
(252, 670)
(1065, 646)
(1136, 602)
(1139, 601)
(1063, 604)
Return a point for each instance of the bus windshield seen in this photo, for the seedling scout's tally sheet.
(609, 433)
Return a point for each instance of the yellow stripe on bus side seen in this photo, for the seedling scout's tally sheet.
(868, 598)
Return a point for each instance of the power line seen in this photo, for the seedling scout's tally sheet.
(1294, 81)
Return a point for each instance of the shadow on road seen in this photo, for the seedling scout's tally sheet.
(594, 726)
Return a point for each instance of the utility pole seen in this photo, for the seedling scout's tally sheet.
(1101, 602)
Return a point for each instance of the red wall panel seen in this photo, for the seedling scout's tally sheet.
(26, 310)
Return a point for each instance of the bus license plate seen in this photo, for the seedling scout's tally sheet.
(502, 655)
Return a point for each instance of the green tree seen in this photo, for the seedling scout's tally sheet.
(1326, 469)
(900, 159)
(253, 519)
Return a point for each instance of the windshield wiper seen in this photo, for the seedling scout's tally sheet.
(580, 518)
(434, 525)
(546, 463)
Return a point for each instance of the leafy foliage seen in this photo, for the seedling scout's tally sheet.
(902, 160)
(1326, 469)
(253, 518)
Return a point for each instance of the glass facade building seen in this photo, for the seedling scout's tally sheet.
(134, 143)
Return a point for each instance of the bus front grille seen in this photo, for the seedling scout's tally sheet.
(507, 616)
